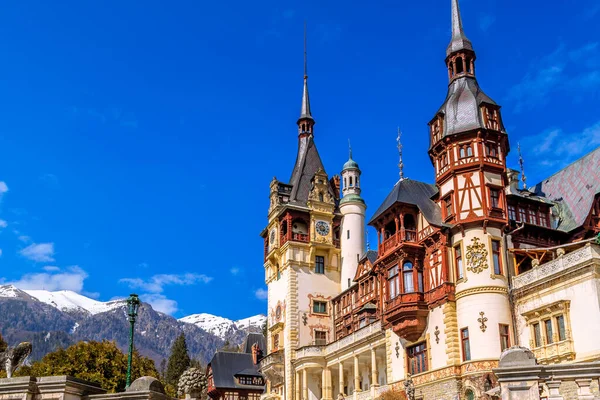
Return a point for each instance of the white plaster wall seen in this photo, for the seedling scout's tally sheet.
(398, 363)
(446, 188)
(353, 221)
(314, 385)
(484, 345)
(584, 314)
(316, 285)
(493, 179)
(276, 293)
(437, 350)
(484, 278)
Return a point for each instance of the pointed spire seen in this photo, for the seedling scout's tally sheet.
(459, 39)
(400, 163)
(305, 110)
(368, 244)
(521, 162)
(349, 150)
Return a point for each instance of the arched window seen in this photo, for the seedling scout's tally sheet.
(320, 196)
(407, 273)
(350, 181)
(459, 65)
(345, 183)
(469, 151)
(278, 272)
(462, 153)
(469, 394)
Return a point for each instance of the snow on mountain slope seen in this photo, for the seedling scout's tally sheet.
(65, 300)
(223, 327)
(9, 291)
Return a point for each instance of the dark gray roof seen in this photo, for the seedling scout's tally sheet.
(308, 162)
(413, 192)
(254, 338)
(573, 190)
(459, 39)
(461, 107)
(225, 366)
(305, 109)
(371, 255)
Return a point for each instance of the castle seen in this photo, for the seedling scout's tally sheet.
(464, 268)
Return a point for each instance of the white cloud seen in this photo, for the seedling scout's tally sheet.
(3, 187)
(160, 303)
(234, 271)
(156, 283)
(71, 279)
(51, 268)
(3, 223)
(24, 238)
(261, 294)
(557, 148)
(39, 252)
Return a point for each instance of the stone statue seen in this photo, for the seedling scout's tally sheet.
(192, 382)
(14, 357)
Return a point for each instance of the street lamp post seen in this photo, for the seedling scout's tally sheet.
(133, 303)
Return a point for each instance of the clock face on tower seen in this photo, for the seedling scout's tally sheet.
(322, 228)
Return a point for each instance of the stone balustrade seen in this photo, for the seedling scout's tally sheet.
(547, 270)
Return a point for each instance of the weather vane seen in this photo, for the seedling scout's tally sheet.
(400, 164)
(521, 162)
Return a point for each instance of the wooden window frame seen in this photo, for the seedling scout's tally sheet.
(318, 301)
(503, 335)
(415, 359)
(459, 269)
(463, 340)
(317, 343)
(512, 212)
(394, 278)
(498, 254)
(319, 267)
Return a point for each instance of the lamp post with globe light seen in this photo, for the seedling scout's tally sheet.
(133, 303)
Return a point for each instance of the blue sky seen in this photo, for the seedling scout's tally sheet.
(138, 139)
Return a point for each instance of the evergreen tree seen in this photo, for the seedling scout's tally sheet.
(264, 329)
(179, 361)
(100, 362)
(163, 369)
(230, 347)
(3, 344)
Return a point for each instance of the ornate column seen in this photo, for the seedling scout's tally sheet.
(402, 233)
(464, 60)
(304, 385)
(328, 384)
(356, 375)
(341, 378)
(298, 385)
(374, 380)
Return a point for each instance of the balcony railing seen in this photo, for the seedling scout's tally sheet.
(555, 267)
(320, 351)
(404, 298)
(296, 237)
(275, 357)
(407, 235)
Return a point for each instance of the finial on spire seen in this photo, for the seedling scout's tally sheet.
(349, 150)
(400, 164)
(305, 110)
(521, 163)
(459, 40)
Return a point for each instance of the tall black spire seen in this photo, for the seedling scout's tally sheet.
(459, 40)
(306, 121)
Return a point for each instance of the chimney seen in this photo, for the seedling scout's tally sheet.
(513, 179)
(255, 353)
(335, 184)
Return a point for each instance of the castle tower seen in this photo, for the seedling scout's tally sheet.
(468, 150)
(353, 208)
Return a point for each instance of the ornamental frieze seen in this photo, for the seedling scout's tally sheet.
(476, 256)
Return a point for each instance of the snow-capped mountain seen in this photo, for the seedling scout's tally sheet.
(223, 327)
(66, 300)
(58, 319)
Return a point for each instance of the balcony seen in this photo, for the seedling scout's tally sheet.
(295, 237)
(407, 315)
(321, 351)
(272, 367)
(407, 235)
(543, 273)
(556, 352)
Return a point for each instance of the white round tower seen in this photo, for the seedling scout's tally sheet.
(353, 208)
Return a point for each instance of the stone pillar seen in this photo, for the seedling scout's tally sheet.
(553, 390)
(584, 391)
(341, 378)
(328, 384)
(374, 380)
(304, 385)
(323, 385)
(298, 385)
(356, 375)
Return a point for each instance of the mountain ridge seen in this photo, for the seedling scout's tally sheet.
(57, 319)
